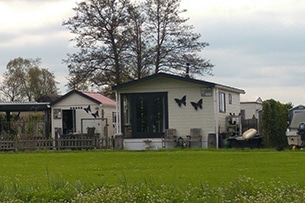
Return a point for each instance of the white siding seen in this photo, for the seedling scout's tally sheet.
(233, 108)
(251, 109)
(79, 103)
(186, 117)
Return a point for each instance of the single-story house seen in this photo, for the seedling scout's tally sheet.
(149, 107)
(81, 112)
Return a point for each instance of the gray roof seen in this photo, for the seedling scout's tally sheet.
(176, 77)
(24, 106)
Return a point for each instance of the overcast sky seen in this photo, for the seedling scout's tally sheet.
(255, 45)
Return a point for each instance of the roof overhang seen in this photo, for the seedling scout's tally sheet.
(176, 77)
(163, 75)
(18, 107)
(231, 89)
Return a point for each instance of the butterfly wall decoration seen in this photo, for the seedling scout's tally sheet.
(95, 115)
(197, 105)
(88, 109)
(181, 101)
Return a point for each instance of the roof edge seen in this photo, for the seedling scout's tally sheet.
(161, 74)
(76, 92)
(181, 78)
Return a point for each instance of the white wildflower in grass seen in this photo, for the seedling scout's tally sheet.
(243, 190)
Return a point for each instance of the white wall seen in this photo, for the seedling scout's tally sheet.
(251, 109)
(186, 117)
(79, 103)
(233, 108)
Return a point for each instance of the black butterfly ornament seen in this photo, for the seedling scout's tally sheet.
(197, 105)
(95, 115)
(181, 101)
(88, 109)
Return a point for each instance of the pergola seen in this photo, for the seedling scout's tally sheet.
(27, 107)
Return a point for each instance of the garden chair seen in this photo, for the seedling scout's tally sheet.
(170, 136)
(195, 137)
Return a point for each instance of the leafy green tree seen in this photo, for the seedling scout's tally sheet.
(25, 81)
(120, 41)
(274, 123)
(41, 82)
(14, 84)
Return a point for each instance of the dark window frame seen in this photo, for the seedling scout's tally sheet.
(222, 102)
(143, 111)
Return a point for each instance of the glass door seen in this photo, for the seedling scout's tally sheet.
(149, 115)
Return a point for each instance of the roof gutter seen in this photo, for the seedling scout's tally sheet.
(232, 89)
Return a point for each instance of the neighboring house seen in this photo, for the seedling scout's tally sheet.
(150, 105)
(78, 111)
(251, 109)
(250, 114)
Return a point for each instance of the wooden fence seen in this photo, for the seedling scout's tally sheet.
(66, 143)
(249, 123)
(29, 136)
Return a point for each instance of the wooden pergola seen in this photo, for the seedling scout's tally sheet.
(27, 107)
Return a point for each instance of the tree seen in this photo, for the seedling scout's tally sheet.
(173, 44)
(120, 41)
(139, 57)
(41, 82)
(25, 81)
(274, 122)
(100, 26)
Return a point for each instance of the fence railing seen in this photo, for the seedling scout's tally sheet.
(61, 143)
(249, 123)
(8, 130)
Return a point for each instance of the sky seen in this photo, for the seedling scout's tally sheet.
(255, 45)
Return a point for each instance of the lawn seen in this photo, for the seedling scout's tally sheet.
(87, 170)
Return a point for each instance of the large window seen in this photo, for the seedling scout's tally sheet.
(222, 102)
(144, 115)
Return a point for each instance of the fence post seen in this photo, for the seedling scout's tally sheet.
(16, 144)
(56, 140)
(97, 141)
(118, 141)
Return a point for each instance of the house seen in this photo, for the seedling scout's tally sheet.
(150, 106)
(250, 114)
(250, 109)
(81, 112)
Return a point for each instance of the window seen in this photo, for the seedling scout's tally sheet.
(144, 115)
(222, 102)
(230, 98)
(57, 113)
(114, 117)
(242, 114)
(126, 114)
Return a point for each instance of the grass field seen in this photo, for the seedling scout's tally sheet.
(62, 176)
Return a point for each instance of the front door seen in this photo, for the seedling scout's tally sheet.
(149, 115)
(68, 121)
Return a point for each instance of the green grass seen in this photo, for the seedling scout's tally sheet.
(178, 166)
(53, 175)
